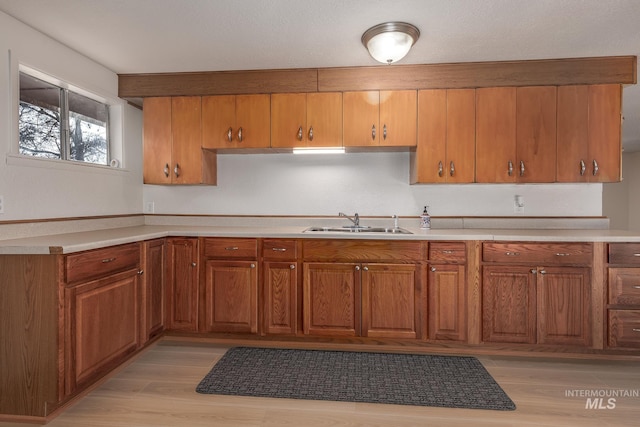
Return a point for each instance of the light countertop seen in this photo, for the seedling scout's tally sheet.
(86, 240)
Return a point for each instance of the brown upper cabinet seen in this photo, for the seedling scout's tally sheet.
(380, 118)
(446, 137)
(306, 120)
(235, 121)
(173, 154)
(516, 134)
(589, 133)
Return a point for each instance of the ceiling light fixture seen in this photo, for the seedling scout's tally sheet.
(391, 41)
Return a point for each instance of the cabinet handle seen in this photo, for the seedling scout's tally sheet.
(373, 132)
(106, 260)
(521, 167)
(176, 170)
(166, 170)
(452, 169)
(240, 134)
(543, 271)
(512, 253)
(384, 132)
(193, 264)
(231, 248)
(311, 133)
(595, 167)
(440, 169)
(562, 254)
(583, 167)
(292, 266)
(300, 133)
(636, 286)
(510, 168)
(357, 268)
(279, 249)
(448, 252)
(365, 268)
(433, 269)
(230, 135)
(252, 265)
(534, 271)
(635, 330)
(636, 254)
(140, 272)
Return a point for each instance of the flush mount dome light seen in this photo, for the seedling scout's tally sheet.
(391, 41)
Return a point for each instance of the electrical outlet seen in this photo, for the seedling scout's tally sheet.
(1, 204)
(518, 204)
(149, 207)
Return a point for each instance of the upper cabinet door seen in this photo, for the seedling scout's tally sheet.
(361, 112)
(605, 141)
(288, 119)
(398, 118)
(589, 133)
(324, 119)
(186, 134)
(496, 134)
(306, 120)
(536, 134)
(461, 135)
(156, 114)
(235, 121)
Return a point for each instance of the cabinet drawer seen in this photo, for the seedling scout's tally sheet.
(537, 253)
(624, 286)
(624, 328)
(624, 253)
(361, 250)
(231, 248)
(279, 249)
(447, 251)
(101, 262)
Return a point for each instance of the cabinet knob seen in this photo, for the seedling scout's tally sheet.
(140, 272)
(311, 133)
(176, 170)
(521, 167)
(365, 268)
(595, 167)
(292, 266)
(583, 167)
(440, 168)
(240, 134)
(433, 269)
(300, 133)
(543, 271)
(193, 264)
(384, 132)
(252, 265)
(452, 169)
(373, 132)
(534, 271)
(510, 168)
(230, 134)
(166, 170)
(357, 268)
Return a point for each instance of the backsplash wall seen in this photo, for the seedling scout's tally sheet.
(375, 184)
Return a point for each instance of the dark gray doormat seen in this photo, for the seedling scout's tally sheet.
(401, 379)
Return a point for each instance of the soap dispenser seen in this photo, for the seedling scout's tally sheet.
(425, 219)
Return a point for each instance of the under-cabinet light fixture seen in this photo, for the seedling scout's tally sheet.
(391, 41)
(324, 150)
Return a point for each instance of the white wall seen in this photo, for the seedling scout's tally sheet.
(369, 183)
(46, 189)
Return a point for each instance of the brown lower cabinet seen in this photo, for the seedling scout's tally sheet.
(154, 289)
(623, 299)
(533, 304)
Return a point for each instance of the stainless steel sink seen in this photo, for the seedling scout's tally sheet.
(356, 229)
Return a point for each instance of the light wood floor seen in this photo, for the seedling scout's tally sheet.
(158, 389)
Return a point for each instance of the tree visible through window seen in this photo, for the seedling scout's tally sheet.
(56, 123)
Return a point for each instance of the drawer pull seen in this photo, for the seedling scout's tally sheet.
(106, 260)
(562, 254)
(638, 255)
(512, 253)
(636, 329)
(448, 252)
(279, 249)
(231, 248)
(636, 287)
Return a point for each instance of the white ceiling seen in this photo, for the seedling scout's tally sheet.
(150, 36)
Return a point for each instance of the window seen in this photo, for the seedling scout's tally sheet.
(57, 123)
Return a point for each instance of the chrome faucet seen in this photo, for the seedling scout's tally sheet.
(355, 220)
